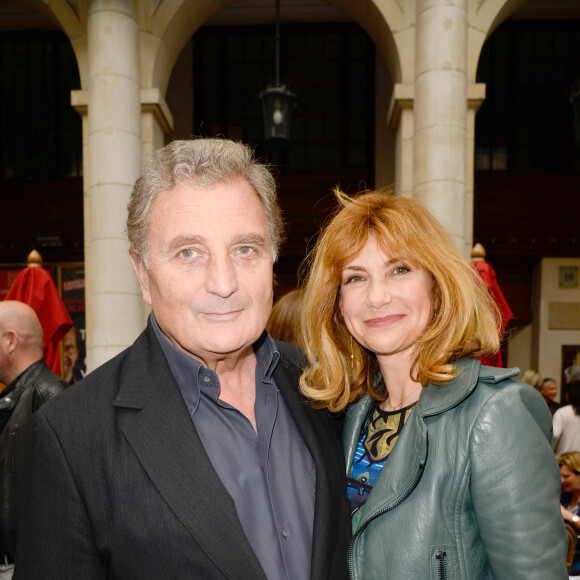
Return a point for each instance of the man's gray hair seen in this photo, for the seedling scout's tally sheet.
(200, 163)
(572, 373)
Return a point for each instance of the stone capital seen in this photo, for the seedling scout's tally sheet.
(402, 98)
(152, 101)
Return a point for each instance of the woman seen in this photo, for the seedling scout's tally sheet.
(567, 421)
(450, 467)
(569, 463)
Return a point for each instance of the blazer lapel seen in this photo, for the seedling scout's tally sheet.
(162, 435)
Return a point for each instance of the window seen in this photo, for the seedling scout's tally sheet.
(526, 121)
(40, 133)
(331, 70)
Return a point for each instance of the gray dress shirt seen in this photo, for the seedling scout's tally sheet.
(270, 474)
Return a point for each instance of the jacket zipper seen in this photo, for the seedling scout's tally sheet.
(441, 558)
(13, 445)
(384, 510)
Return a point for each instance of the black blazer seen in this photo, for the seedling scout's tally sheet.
(121, 486)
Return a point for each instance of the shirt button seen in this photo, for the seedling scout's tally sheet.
(284, 533)
(206, 379)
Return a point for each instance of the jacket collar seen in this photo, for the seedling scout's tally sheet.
(22, 381)
(436, 399)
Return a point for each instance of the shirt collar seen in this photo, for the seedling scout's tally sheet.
(187, 371)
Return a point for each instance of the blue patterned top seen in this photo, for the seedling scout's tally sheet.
(379, 434)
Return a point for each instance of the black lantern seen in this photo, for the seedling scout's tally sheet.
(278, 102)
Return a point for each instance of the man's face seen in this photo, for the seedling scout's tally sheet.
(71, 353)
(210, 276)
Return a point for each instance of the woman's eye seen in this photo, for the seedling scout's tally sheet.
(352, 279)
(401, 270)
(189, 253)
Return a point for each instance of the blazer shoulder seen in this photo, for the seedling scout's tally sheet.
(98, 387)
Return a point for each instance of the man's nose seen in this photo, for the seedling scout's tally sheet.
(221, 276)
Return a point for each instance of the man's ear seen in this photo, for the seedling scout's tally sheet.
(142, 275)
(10, 339)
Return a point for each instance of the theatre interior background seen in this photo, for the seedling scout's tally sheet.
(469, 106)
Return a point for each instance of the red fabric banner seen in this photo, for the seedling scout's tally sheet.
(35, 287)
(488, 275)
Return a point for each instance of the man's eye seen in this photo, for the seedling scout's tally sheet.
(189, 253)
(245, 250)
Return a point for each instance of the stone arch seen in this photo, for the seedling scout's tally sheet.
(164, 34)
(483, 19)
(388, 26)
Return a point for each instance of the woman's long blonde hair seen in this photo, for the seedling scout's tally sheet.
(464, 319)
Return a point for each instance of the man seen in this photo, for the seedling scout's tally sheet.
(572, 373)
(549, 389)
(192, 454)
(71, 370)
(29, 383)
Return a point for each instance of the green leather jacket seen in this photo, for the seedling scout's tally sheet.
(471, 489)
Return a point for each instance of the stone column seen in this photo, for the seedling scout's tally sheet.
(439, 169)
(114, 309)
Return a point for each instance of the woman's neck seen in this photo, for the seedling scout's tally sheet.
(402, 389)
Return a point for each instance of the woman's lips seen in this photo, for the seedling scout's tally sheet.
(384, 321)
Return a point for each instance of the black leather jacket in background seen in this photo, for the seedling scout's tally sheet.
(36, 385)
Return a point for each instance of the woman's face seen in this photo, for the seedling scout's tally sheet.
(570, 480)
(385, 301)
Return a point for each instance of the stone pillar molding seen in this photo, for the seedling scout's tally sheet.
(440, 108)
(114, 308)
(400, 119)
(475, 96)
(156, 122)
(79, 101)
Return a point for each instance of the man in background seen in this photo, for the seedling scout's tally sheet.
(29, 383)
(572, 373)
(71, 367)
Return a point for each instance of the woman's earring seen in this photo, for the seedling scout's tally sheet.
(351, 353)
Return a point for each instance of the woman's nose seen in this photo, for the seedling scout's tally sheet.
(379, 293)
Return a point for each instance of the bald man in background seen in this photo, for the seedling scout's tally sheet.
(29, 384)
